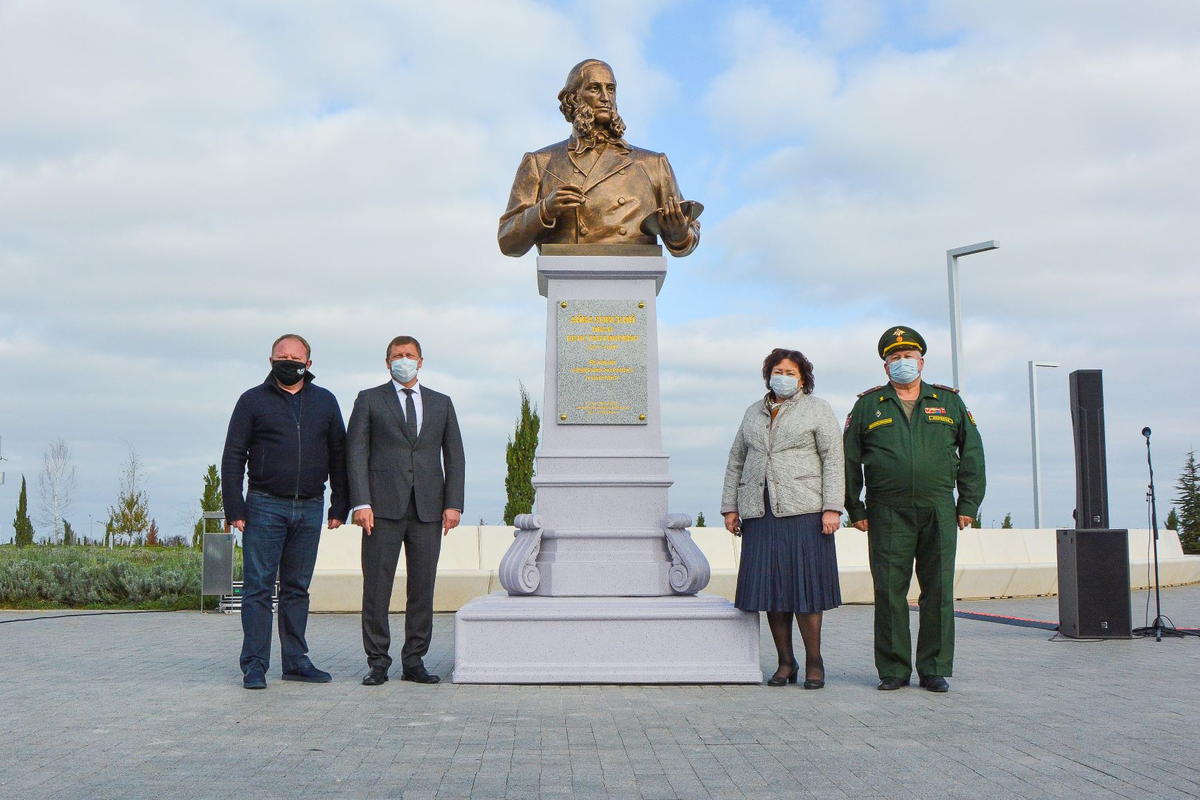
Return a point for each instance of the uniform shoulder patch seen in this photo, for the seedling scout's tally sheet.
(872, 389)
(944, 386)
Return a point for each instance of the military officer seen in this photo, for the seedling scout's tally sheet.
(912, 444)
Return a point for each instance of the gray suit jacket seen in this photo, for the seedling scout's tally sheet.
(384, 467)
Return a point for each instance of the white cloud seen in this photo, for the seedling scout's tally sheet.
(778, 82)
(846, 23)
(180, 185)
(1070, 136)
(184, 185)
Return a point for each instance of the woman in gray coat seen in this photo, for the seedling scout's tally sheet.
(784, 488)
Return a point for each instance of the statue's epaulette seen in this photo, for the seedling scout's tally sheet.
(872, 389)
(944, 386)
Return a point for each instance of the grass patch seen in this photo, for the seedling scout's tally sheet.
(72, 576)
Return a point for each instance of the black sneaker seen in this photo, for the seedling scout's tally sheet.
(305, 672)
(254, 678)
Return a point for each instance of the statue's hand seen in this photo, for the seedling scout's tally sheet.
(673, 223)
(563, 197)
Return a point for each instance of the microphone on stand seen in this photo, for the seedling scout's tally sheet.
(1159, 626)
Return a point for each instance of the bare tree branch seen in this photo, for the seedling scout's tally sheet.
(57, 485)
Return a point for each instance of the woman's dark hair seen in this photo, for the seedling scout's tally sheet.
(779, 354)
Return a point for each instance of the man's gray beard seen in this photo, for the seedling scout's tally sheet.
(584, 124)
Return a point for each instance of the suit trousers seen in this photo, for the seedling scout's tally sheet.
(422, 542)
(895, 537)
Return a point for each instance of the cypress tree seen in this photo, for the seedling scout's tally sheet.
(1172, 521)
(1188, 500)
(22, 524)
(519, 455)
(209, 501)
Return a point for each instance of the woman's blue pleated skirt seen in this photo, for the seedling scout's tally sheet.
(787, 565)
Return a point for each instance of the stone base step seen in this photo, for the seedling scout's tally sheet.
(681, 639)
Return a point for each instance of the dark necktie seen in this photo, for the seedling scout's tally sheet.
(410, 415)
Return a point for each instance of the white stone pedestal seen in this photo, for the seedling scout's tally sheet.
(602, 581)
(682, 639)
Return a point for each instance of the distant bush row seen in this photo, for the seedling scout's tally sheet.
(91, 577)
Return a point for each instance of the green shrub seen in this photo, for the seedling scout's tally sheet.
(73, 576)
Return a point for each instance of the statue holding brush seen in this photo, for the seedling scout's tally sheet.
(594, 188)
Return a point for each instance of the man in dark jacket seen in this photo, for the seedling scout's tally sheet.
(290, 433)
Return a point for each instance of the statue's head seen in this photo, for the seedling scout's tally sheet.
(588, 100)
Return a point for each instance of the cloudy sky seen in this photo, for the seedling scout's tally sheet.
(180, 183)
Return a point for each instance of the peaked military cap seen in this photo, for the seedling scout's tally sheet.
(900, 338)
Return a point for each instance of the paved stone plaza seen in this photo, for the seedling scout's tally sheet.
(151, 706)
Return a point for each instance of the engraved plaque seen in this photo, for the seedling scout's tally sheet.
(601, 362)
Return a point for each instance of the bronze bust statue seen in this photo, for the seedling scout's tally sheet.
(594, 188)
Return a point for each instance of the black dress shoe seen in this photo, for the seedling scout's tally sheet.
(935, 683)
(305, 672)
(376, 677)
(776, 680)
(892, 684)
(418, 674)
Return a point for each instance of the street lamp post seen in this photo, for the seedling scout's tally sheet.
(1037, 439)
(955, 305)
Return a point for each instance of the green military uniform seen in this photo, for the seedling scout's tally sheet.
(911, 469)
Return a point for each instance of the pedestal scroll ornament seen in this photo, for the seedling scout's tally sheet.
(519, 572)
(689, 568)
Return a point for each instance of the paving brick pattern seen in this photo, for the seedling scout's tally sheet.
(134, 706)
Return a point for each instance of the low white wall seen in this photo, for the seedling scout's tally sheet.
(991, 563)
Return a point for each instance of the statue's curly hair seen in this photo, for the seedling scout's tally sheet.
(580, 116)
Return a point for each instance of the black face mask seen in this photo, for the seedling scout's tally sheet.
(289, 373)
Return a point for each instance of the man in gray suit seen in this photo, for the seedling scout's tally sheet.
(400, 437)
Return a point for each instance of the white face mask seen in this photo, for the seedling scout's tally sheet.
(404, 369)
(784, 386)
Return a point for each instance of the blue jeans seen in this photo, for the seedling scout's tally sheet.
(281, 539)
